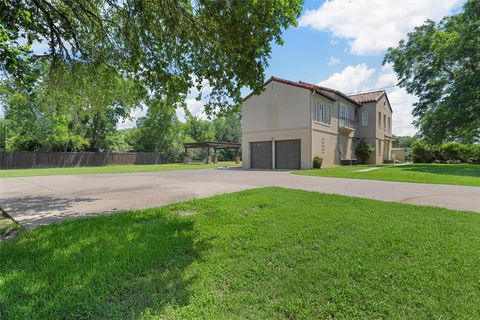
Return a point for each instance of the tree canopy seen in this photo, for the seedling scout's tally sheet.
(440, 64)
(170, 45)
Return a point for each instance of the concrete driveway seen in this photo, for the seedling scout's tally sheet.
(41, 200)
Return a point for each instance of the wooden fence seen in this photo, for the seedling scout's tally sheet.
(28, 159)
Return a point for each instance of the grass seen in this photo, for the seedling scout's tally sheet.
(456, 174)
(268, 253)
(109, 169)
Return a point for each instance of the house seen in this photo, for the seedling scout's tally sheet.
(289, 123)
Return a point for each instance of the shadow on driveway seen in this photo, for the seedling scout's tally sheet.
(35, 210)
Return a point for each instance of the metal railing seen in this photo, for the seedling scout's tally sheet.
(347, 123)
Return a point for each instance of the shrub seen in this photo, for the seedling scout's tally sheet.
(422, 152)
(445, 153)
(364, 151)
(317, 162)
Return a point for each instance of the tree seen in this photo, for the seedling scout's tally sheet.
(403, 141)
(76, 109)
(159, 131)
(440, 64)
(3, 133)
(364, 151)
(228, 128)
(170, 45)
(198, 129)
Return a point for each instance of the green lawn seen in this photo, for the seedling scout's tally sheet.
(109, 169)
(459, 174)
(261, 254)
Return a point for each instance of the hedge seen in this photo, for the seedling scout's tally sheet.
(445, 153)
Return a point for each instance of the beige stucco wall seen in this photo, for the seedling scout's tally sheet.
(324, 145)
(399, 154)
(283, 112)
(375, 133)
(302, 134)
(280, 112)
(337, 144)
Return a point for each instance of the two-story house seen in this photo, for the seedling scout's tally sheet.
(290, 123)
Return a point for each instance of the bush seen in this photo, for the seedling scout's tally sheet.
(445, 153)
(422, 152)
(317, 162)
(364, 151)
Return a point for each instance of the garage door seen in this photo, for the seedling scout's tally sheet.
(261, 155)
(287, 154)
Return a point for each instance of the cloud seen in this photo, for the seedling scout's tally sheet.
(362, 78)
(333, 61)
(373, 26)
(351, 79)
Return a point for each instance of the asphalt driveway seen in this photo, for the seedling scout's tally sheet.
(41, 200)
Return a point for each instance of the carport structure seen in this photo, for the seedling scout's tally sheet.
(215, 145)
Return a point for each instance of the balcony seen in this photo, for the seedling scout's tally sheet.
(346, 125)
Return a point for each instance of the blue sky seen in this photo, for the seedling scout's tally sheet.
(341, 44)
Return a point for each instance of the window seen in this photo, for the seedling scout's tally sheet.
(365, 118)
(321, 113)
(379, 149)
(343, 112)
(384, 121)
(379, 119)
(389, 124)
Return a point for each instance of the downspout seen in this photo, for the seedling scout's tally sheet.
(311, 129)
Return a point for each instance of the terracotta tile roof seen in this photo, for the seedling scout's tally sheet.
(332, 92)
(328, 93)
(367, 96)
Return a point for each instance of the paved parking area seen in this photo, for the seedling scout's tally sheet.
(41, 200)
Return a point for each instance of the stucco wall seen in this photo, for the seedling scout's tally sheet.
(302, 134)
(324, 145)
(400, 154)
(376, 132)
(279, 107)
(280, 112)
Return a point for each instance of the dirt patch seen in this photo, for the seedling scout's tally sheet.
(186, 212)
(8, 226)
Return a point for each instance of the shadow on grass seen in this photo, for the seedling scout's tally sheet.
(454, 170)
(110, 267)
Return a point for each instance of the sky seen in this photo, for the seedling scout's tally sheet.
(341, 44)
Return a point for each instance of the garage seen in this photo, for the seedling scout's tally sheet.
(261, 155)
(287, 154)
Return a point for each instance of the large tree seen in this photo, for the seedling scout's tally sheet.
(171, 45)
(440, 64)
(70, 110)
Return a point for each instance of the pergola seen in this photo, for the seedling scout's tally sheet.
(215, 145)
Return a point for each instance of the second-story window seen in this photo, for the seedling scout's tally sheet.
(389, 124)
(364, 118)
(321, 113)
(343, 112)
(379, 119)
(384, 121)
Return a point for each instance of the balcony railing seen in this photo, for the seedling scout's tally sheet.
(347, 123)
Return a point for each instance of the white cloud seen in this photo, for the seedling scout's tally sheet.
(362, 78)
(333, 61)
(371, 26)
(134, 114)
(351, 79)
